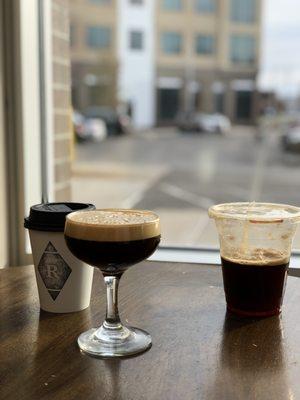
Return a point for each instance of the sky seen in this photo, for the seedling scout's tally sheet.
(280, 51)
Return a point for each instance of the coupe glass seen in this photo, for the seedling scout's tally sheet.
(113, 240)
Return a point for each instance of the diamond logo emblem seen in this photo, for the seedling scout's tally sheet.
(54, 270)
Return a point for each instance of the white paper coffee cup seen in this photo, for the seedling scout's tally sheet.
(64, 282)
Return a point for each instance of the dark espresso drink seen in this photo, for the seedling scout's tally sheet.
(112, 241)
(252, 288)
(113, 258)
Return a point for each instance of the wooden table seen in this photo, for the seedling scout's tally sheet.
(198, 352)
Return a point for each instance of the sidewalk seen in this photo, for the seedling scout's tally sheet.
(123, 186)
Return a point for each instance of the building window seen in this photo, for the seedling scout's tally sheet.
(171, 42)
(98, 37)
(205, 44)
(243, 104)
(205, 6)
(136, 40)
(100, 1)
(173, 5)
(242, 49)
(219, 102)
(243, 10)
(72, 35)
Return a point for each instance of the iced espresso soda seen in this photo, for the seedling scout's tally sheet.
(255, 246)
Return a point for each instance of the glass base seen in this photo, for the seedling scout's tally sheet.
(105, 343)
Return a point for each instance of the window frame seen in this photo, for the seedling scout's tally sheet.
(28, 111)
(4, 205)
(15, 128)
(199, 255)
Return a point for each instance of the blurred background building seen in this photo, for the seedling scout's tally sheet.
(93, 39)
(160, 58)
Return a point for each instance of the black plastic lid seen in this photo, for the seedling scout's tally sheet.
(51, 217)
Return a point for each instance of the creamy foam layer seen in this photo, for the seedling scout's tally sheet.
(112, 225)
(259, 257)
(256, 212)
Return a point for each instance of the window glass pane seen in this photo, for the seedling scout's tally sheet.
(172, 4)
(194, 77)
(206, 6)
(219, 103)
(98, 36)
(244, 100)
(242, 49)
(205, 44)
(243, 10)
(136, 40)
(72, 35)
(171, 42)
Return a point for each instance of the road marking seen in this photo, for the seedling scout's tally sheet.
(256, 187)
(194, 234)
(137, 196)
(188, 197)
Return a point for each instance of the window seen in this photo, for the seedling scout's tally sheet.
(174, 5)
(243, 104)
(98, 37)
(178, 176)
(171, 42)
(205, 6)
(72, 35)
(205, 44)
(243, 10)
(100, 1)
(136, 40)
(242, 49)
(219, 102)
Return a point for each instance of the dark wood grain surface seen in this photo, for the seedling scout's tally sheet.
(198, 352)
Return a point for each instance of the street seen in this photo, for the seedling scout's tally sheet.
(181, 175)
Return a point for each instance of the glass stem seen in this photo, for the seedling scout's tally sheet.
(112, 319)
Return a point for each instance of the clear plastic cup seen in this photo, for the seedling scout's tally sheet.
(255, 246)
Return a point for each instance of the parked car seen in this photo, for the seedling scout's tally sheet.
(88, 129)
(116, 124)
(96, 129)
(291, 140)
(81, 133)
(200, 122)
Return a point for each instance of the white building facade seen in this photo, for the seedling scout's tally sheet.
(136, 58)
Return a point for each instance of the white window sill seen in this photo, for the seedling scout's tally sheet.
(201, 256)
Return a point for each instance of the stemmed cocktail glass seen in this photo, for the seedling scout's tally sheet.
(113, 240)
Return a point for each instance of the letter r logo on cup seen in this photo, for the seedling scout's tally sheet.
(52, 271)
